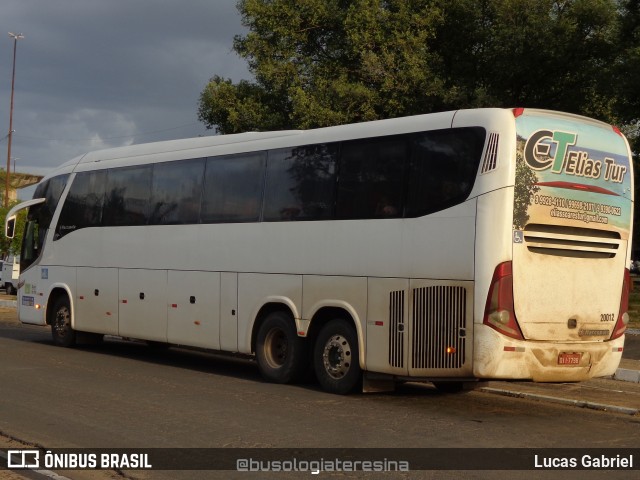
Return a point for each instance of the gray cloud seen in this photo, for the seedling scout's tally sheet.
(92, 74)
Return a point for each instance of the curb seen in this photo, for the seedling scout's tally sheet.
(562, 401)
(627, 375)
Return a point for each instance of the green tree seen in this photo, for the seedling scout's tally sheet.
(11, 245)
(627, 71)
(546, 54)
(325, 62)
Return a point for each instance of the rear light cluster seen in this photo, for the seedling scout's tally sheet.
(499, 313)
(623, 315)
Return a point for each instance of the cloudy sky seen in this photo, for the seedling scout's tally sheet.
(92, 74)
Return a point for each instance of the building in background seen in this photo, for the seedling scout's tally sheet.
(16, 182)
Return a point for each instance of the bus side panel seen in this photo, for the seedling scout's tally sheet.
(419, 327)
(38, 283)
(194, 309)
(439, 245)
(96, 300)
(387, 325)
(31, 296)
(347, 293)
(493, 242)
(143, 304)
(229, 311)
(255, 290)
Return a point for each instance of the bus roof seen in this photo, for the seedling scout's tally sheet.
(250, 141)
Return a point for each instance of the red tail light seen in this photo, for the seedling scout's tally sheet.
(499, 312)
(623, 315)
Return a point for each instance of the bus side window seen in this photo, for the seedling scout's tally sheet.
(127, 196)
(442, 168)
(176, 192)
(83, 205)
(371, 172)
(233, 188)
(300, 183)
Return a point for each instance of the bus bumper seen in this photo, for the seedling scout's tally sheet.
(499, 357)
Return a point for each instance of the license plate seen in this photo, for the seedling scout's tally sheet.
(569, 358)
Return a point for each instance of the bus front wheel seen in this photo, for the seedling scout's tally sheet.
(336, 359)
(280, 353)
(61, 331)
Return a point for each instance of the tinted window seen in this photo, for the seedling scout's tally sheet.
(127, 196)
(51, 190)
(300, 183)
(54, 192)
(233, 188)
(83, 205)
(371, 176)
(443, 168)
(176, 192)
(39, 218)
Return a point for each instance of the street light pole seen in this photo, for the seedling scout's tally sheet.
(16, 37)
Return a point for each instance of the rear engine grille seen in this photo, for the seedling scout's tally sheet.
(577, 242)
(439, 319)
(396, 328)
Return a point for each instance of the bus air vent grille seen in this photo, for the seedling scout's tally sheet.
(491, 155)
(576, 242)
(396, 329)
(439, 319)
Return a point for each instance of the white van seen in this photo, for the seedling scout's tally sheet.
(10, 274)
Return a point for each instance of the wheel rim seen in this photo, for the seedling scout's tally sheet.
(276, 347)
(61, 322)
(337, 356)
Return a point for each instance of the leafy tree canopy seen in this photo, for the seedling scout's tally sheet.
(325, 62)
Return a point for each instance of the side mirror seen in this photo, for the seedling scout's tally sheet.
(10, 227)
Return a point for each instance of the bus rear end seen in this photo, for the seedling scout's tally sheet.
(557, 311)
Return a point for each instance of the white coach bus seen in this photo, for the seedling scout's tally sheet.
(448, 247)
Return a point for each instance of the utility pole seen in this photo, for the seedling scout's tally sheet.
(16, 37)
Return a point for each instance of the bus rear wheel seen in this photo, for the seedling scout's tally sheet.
(280, 353)
(61, 331)
(336, 358)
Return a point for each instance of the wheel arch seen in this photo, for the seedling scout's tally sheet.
(56, 292)
(273, 305)
(325, 314)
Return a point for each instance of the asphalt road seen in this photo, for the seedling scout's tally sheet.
(632, 346)
(124, 395)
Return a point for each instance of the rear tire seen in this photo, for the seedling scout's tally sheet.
(61, 331)
(280, 353)
(336, 358)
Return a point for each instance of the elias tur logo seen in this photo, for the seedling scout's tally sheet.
(540, 155)
(537, 151)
